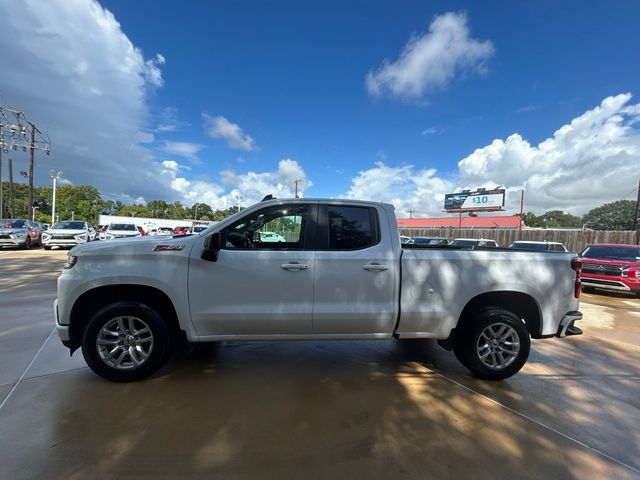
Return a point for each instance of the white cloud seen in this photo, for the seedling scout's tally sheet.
(221, 128)
(183, 149)
(406, 187)
(586, 163)
(78, 77)
(237, 188)
(432, 131)
(429, 62)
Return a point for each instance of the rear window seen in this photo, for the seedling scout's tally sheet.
(123, 226)
(630, 253)
(352, 228)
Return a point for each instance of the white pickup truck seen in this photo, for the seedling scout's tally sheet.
(341, 274)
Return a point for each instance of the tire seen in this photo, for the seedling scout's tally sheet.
(588, 289)
(493, 345)
(47, 247)
(126, 341)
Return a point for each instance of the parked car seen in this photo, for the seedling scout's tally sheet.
(120, 230)
(141, 230)
(612, 267)
(68, 233)
(181, 230)
(474, 242)
(268, 237)
(198, 229)
(163, 231)
(19, 233)
(545, 246)
(344, 277)
(405, 240)
(429, 240)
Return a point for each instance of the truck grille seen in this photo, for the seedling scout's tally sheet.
(63, 237)
(611, 270)
(4, 237)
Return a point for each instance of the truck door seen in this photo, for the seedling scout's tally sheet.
(257, 288)
(356, 275)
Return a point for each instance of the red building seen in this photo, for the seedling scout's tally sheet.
(497, 221)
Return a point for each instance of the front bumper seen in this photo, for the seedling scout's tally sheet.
(62, 330)
(11, 242)
(567, 327)
(614, 284)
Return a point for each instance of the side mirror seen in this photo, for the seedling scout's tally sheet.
(212, 246)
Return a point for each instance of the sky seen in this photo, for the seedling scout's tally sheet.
(226, 102)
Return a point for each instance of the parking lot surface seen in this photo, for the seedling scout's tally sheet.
(385, 409)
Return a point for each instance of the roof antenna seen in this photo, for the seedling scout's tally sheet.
(268, 197)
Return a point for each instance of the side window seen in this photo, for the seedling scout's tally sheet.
(352, 228)
(280, 227)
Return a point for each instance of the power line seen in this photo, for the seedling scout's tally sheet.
(17, 132)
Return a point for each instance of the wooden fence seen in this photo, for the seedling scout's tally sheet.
(574, 240)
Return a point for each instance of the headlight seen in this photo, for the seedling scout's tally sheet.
(19, 236)
(71, 261)
(46, 237)
(109, 237)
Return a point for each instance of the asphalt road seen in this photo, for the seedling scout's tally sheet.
(385, 409)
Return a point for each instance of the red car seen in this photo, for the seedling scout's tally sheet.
(611, 267)
(180, 230)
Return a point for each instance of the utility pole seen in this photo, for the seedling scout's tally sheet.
(297, 182)
(32, 150)
(411, 213)
(1, 209)
(636, 219)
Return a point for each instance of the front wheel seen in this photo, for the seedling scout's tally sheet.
(494, 345)
(126, 341)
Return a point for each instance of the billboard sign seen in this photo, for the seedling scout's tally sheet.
(474, 201)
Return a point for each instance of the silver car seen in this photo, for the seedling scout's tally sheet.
(19, 233)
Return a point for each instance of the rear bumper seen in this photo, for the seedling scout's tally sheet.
(566, 326)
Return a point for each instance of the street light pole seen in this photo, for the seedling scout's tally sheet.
(33, 214)
(55, 174)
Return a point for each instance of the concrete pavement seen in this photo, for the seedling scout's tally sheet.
(314, 409)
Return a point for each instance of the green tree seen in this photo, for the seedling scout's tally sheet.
(611, 216)
(532, 220)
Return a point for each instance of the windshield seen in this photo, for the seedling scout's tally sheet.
(14, 224)
(123, 226)
(68, 226)
(529, 246)
(630, 253)
(464, 242)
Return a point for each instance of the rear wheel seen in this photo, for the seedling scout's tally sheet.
(494, 345)
(27, 243)
(126, 341)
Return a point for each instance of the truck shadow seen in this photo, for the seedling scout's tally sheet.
(379, 409)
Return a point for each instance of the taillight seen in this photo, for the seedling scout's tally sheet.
(632, 273)
(576, 265)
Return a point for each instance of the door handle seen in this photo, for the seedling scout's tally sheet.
(375, 267)
(294, 266)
